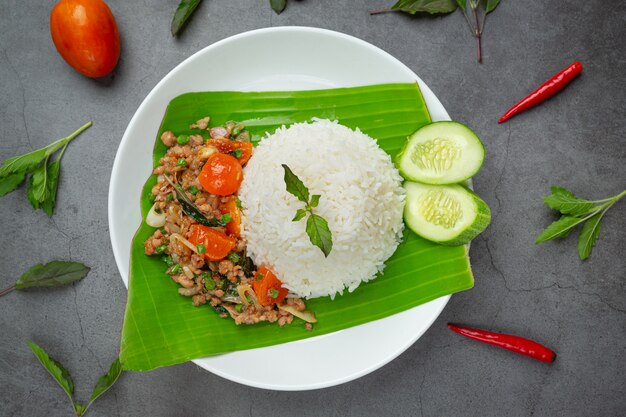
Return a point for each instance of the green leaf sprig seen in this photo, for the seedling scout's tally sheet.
(278, 5)
(64, 379)
(575, 211)
(183, 12)
(52, 274)
(316, 226)
(478, 9)
(44, 179)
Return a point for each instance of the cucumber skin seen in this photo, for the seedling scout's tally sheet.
(483, 218)
(405, 175)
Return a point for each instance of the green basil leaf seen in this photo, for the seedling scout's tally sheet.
(23, 163)
(315, 200)
(565, 233)
(490, 5)
(295, 186)
(567, 203)
(183, 12)
(192, 210)
(80, 409)
(52, 185)
(555, 189)
(558, 228)
(462, 4)
(58, 372)
(319, 233)
(299, 215)
(589, 235)
(425, 6)
(11, 182)
(278, 5)
(37, 186)
(52, 274)
(106, 381)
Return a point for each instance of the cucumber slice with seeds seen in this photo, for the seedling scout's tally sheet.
(447, 214)
(441, 153)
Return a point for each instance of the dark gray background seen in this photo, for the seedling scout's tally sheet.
(544, 292)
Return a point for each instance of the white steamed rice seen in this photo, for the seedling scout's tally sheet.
(362, 200)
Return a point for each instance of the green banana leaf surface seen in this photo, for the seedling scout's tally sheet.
(163, 328)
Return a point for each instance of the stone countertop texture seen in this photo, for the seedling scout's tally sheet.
(544, 292)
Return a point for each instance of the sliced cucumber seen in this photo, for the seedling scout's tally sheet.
(447, 214)
(441, 153)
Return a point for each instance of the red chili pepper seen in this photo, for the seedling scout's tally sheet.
(507, 341)
(545, 90)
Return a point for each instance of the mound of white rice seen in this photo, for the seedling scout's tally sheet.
(362, 200)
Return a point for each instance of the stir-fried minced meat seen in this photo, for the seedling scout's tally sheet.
(153, 242)
(201, 124)
(168, 138)
(220, 283)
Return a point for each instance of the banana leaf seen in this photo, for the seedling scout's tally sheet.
(163, 328)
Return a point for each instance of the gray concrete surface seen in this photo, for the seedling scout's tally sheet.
(575, 140)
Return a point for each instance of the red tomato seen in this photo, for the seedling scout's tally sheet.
(233, 227)
(216, 244)
(267, 287)
(227, 146)
(85, 34)
(221, 174)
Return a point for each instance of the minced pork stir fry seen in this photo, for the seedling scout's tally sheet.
(198, 219)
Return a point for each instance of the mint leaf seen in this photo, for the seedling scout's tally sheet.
(425, 6)
(567, 203)
(278, 5)
(295, 186)
(490, 5)
(589, 234)
(52, 274)
(299, 215)
(319, 233)
(11, 182)
(558, 228)
(58, 372)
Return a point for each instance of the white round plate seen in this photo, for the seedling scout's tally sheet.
(282, 58)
